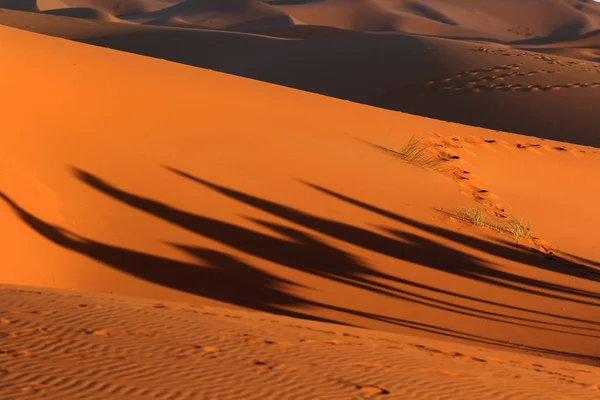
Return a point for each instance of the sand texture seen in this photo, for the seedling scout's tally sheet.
(245, 162)
(64, 344)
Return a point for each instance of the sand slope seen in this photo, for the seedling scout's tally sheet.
(63, 344)
(234, 14)
(506, 21)
(585, 48)
(490, 85)
(160, 180)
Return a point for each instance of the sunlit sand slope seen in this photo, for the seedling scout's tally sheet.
(137, 176)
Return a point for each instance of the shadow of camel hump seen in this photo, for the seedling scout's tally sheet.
(246, 285)
(231, 279)
(418, 249)
(506, 250)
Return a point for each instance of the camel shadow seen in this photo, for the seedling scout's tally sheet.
(227, 278)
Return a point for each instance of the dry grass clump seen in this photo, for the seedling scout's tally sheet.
(518, 228)
(415, 152)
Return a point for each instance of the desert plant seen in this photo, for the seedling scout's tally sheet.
(472, 215)
(520, 228)
(415, 152)
(517, 228)
(527, 232)
(499, 227)
(476, 216)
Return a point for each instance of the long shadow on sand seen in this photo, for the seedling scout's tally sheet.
(226, 278)
(437, 256)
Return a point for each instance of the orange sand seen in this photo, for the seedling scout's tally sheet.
(509, 87)
(136, 176)
(64, 344)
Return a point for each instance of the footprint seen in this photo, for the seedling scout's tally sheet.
(97, 332)
(48, 312)
(266, 366)
(372, 389)
(88, 306)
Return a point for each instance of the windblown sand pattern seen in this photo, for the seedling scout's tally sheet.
(61, 344)
(249, 174)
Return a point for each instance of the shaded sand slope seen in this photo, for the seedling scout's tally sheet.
(113, 7)
(83, 12)
(499, 20)
(512, 20)
(234, 14)
(154, 179)
(65, 344)
(586, 48)
(493, 86)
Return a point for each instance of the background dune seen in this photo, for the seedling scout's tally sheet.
(215, 14)
(399, 55)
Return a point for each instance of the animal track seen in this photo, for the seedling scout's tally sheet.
(474, 187)
(367, 389)
(476, 80)
(263, 365)
(501, 52)
(451, 354)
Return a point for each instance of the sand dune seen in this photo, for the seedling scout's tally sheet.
(512, 20)
(319, 236)
(489, 85)
(585, 48)
(244, 209)
(114, 7)
(83, 12)
(215, 14)
(77, 345)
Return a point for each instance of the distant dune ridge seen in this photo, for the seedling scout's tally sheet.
(273, 239)
(384, 53)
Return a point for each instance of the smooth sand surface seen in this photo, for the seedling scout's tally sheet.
(63, 344)
(136, 176)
